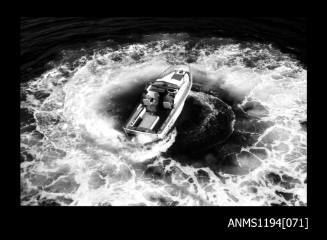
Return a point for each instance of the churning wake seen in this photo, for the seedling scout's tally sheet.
(74, 152)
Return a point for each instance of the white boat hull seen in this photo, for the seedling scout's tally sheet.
(169, 122)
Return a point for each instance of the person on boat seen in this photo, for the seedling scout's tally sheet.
(151, 100)
(168, 100)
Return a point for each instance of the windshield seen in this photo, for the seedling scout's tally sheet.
(164, 84)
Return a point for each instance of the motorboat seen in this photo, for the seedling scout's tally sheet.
(161, 103)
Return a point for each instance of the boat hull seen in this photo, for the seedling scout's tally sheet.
(169, 123)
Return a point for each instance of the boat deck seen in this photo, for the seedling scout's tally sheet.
(163, 114)
(156, 113)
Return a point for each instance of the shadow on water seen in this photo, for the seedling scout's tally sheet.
(121, 103)
(208, 139)
(227, 155)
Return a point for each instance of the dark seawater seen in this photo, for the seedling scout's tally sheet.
(240, 139)
(43, 38)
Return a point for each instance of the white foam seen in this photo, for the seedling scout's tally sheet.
(90, 138)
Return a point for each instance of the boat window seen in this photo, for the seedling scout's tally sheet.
(165, 85)
(151, 100)
(156, 89)
(159, 83)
